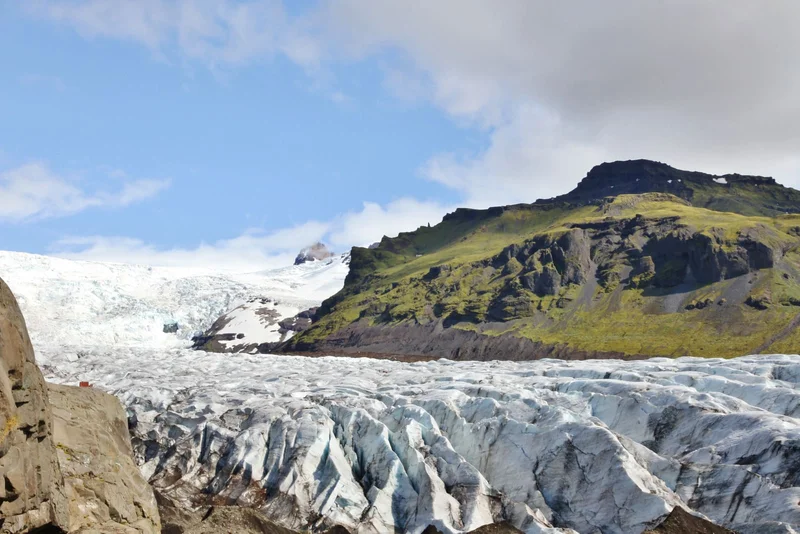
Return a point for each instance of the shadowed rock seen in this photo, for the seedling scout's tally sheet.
(682, 522)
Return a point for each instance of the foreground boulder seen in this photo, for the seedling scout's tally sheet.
(31, 489)
(65, 466)
(105, 489)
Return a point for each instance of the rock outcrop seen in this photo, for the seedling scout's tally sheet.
(178, 519)
(105, 490)
(66, 463)
(31, 487)
(750, 195)
(682, 522)
(317, 251)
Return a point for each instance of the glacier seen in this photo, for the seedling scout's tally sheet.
(81, 303)
(597, 446)
(551, 446)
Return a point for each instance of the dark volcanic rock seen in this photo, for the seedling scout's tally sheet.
(434, 340)
(317, 251)
(645, 176)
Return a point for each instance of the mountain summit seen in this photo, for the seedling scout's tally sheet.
(640, 260)
(317, 251)
(748, 195)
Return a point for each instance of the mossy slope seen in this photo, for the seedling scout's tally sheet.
(640, 274)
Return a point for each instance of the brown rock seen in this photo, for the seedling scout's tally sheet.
(105, 489)
(682, 522)
(495, 528)
(31, 486)
(216, 519)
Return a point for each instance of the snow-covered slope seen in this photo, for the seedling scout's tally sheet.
(74, 303)
(594, 446)
(269, 318)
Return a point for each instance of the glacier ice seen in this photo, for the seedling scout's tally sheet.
(553, 446)
(81, 303)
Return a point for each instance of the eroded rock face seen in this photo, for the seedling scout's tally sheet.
(65, 454)
(104, 487)
(31, 487)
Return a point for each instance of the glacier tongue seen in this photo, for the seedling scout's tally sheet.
(552, 446)
(84, 304)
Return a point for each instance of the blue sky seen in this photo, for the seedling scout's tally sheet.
(234, 133)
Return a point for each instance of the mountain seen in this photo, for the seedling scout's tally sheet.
(316, 252)
(640, 260)
(746, 195)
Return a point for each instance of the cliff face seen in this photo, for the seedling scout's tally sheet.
(65, 455)
(673, 263)
(31, 491)
(105, 490)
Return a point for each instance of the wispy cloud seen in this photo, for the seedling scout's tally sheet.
(219, 33)
(255, 249)
(560, 86)
(33, 192)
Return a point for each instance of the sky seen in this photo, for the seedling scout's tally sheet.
(229, 134)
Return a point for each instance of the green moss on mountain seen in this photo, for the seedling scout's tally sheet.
(659, 272)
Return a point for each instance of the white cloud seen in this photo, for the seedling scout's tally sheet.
(136, 191)
(257, 250)
(532, 156)
(556, 87)
(562, 86)
(374, 221)
(33, 191)
(217, 32)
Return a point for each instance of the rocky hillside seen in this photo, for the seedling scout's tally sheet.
(639, 260)
(66, 463)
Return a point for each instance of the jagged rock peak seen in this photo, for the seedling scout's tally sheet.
(645, 173)
(317, 251)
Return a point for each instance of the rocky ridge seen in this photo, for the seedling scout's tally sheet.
(748, 195)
